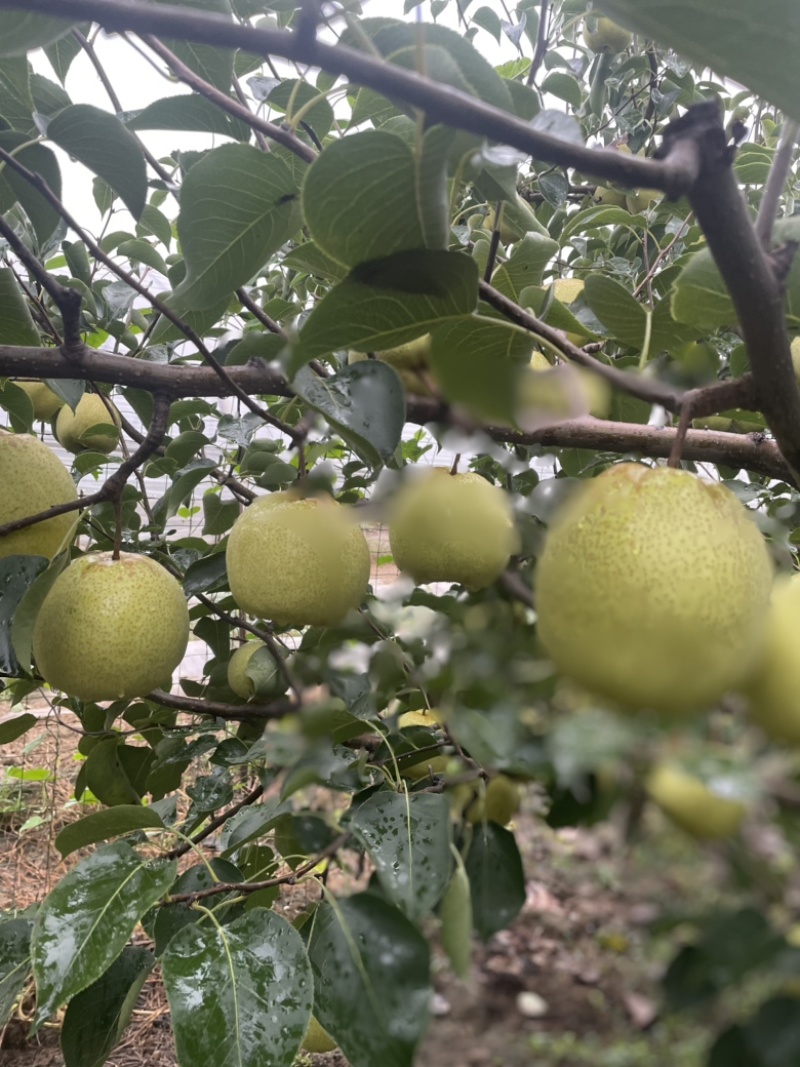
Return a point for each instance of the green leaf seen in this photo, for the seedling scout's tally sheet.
(96, 1017)
(564, 86)
(63, 51)
(364, 402)
(319, 117)
(408, 838)
(15, 962)
(218, 514)
(774, 1033)
(525, 266)
(309, 257)
(101, 825)
(84, 923)
(488, 20)
(455, 913)
(14, 189)
(141, 251)
(205, 574)
(16, 322)
(190, 113)
(48, 97)
(174, 917)
(101, 142)
(592, 218)
(401, 202)
(755, 44)
(250, 983)
(11, 729)
(105, 774)
(22, 32)
(388, 302)
(496, 878)
(16, 102)
(225, 235)
(214, 65)
(17, 575)
(479, 363)
(622, 315)
(699, 296)
(371, 980)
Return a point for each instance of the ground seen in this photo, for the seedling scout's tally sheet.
(573, 982)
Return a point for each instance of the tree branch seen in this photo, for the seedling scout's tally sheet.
(674, 174)
(235, 712)
(768, 208)
(754, 284)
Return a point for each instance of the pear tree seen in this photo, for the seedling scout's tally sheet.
(515, 282)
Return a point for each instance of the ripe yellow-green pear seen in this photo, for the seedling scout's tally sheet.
(702, 810)
(796, 357)
(499, 802)
(111, 629)
(584, 390)
(272, 683)
(411, 361)
(429, 763)
(73, 427)
(299, 562)
(774, 688)
(568, 290)
(653, 589)
(33, 479)
(447, 527)
(603, 35)
(317, 1038)
(44, 401)
(603, 194)
(641, 199)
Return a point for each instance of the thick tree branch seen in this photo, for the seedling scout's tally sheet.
(754, 284)
(235, 712)
(674, 173)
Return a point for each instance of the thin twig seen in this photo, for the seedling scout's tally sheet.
(776, 180)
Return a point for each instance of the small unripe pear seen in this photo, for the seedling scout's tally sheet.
(499, 803)
(429, 763)
(603, 35)
(44, 401)
(271, 680)
(73, 427)
(33, 479)
(774, 688)
(702, 810)
(111, 629)
(317, 1038)
(452, 528)
(653, 589)
(411, 361)
(299, 562)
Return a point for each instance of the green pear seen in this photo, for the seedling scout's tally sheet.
(73, 428)
(33, 479)
(796, 357)
(411, 361)
(317, 1038)
(702, 810)
(603, 194)
(298, 562)
(606, 37)
(270, 682)
(774, 688)
(111, 629)
(429, 763)
(452, 528)
(499, 802)
(653, 589)
(44, 401)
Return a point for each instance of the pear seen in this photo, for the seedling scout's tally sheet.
(702, 810)
(73, 427)
(411, 361)
(774, 688)
(499, 802)
(298, 562)
(603, 194)
(33, 479)
(317, 1038)
(111, 629)
(567, 290)
(796, 357)
(44, 401)
(653, 589)
(452, 528)
(604, 36)
(429, 763)
(271, 683)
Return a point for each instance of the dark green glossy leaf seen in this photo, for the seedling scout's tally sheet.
(105, 774)
(11, 729)
(173, 917)
(388, 302)
(15, 189)
(496, 878)
(226, 236)
(16, 322)
(371, 980)
(364, 402)
(408, 838)
(207, 573)
(251, 985)
(15, 962)
(96, 1017)
(102, 143)
(191, 112)
(17, 575)
(101, 825)
(85, 922)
